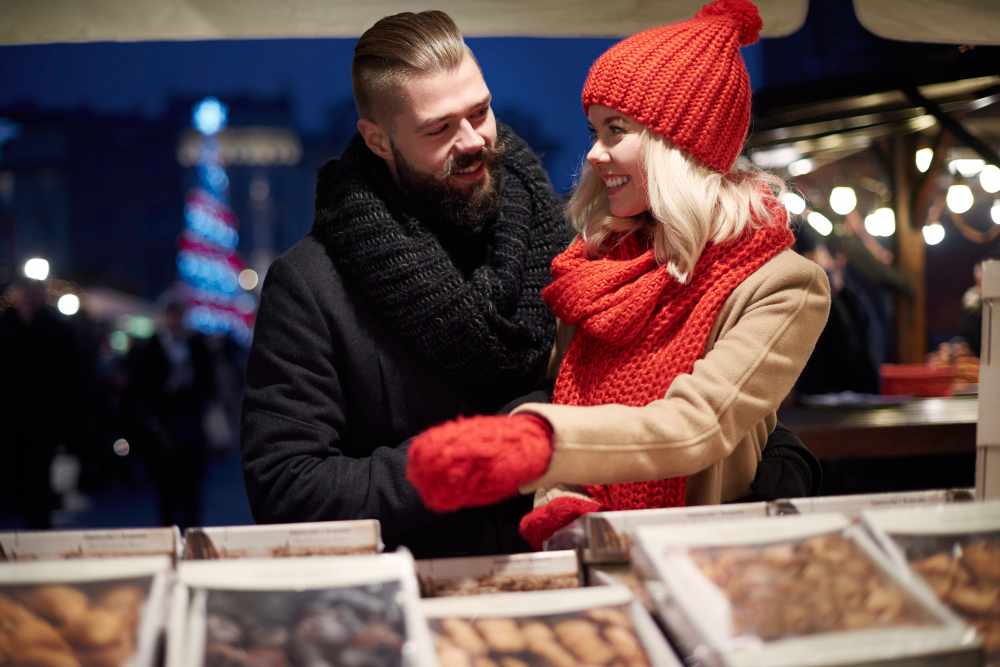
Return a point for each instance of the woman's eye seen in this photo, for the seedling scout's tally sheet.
(615, 129)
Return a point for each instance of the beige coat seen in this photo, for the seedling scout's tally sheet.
(713, 423)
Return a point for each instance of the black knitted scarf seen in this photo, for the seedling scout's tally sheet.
(467, 300)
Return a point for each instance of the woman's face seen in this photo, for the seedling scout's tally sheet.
(616, 156)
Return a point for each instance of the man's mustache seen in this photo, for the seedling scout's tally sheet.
(490, 155)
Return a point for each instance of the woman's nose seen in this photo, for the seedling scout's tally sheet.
(598, 154)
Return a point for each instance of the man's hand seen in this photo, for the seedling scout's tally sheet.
(479, 460)
(539, 524)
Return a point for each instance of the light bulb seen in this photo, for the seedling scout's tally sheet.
(68, 304)
(967, 167)
(923, 158)
(794, 203)
(36, 268)
(801, 167)
(933, 233)
(843, 200)
(881, 222)
(820, 223)
(989, 178)
(248, 279)
(959, 198)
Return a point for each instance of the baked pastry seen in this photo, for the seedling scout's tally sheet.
(111, 654)
(32, 656)
(27, 640)
(59, 605)
(20, 626)
(126, 599)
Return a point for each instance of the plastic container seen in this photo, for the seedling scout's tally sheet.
(316, 610)
(917, 380)
(794, 591)
(597, 625)
(106, 612)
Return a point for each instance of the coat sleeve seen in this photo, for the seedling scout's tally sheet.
(705, 414)
(294, 430)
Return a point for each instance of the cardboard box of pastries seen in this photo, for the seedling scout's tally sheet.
(65, 544)
(795, 591)
(954, 550)
(478, 575)
(317, 611)
(97, 613)
(608, 535)
(853, 505)
(600, 625)
(323, 538)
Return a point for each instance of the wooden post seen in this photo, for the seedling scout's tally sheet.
(911, 321)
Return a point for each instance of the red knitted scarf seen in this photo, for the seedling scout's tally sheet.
(638, 328)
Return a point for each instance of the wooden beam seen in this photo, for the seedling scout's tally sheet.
(954, 126)
(911, 321)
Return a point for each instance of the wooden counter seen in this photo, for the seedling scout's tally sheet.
(920, 427)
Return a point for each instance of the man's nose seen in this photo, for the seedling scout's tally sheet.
(468, 139)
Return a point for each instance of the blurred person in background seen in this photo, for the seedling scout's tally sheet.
(844, 358)
(42, 401)
(169, 388)
(971, 322)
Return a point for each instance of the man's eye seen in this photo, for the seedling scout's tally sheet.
(437, 130)
(482, 112)
(616, 129)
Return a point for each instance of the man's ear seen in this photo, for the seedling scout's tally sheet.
(376, 138)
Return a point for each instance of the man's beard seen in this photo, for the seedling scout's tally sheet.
(435, 200)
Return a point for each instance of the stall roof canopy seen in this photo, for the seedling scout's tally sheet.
(29, 21)
(838, 126)
(830, 129)
(33, 22)
(935, 21)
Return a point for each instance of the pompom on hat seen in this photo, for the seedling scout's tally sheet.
(685, 81)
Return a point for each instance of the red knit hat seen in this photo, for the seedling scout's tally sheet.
(685, 81)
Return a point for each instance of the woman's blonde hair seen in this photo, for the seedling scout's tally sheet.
(689, 205)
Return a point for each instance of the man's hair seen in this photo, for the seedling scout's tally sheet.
(398, 47)
(689, 204)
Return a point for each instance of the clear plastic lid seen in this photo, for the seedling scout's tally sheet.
(795, 588)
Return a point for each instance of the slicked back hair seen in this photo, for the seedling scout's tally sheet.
(396, 48)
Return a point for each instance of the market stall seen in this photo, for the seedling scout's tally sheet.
(844, 581)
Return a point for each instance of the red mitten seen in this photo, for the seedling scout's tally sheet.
(539, 524)
(479, 460)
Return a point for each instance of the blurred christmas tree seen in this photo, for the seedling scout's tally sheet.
(207, 258)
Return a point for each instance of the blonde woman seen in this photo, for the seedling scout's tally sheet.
(690, 317)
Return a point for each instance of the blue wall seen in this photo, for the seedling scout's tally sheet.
(117, 109)
(536, 82)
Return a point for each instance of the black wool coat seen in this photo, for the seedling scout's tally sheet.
(333, 395)
(331, 399)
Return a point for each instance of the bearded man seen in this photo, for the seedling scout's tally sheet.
(415, 298)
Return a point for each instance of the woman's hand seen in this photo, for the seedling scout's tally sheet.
(479, 460)
(538, 525)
